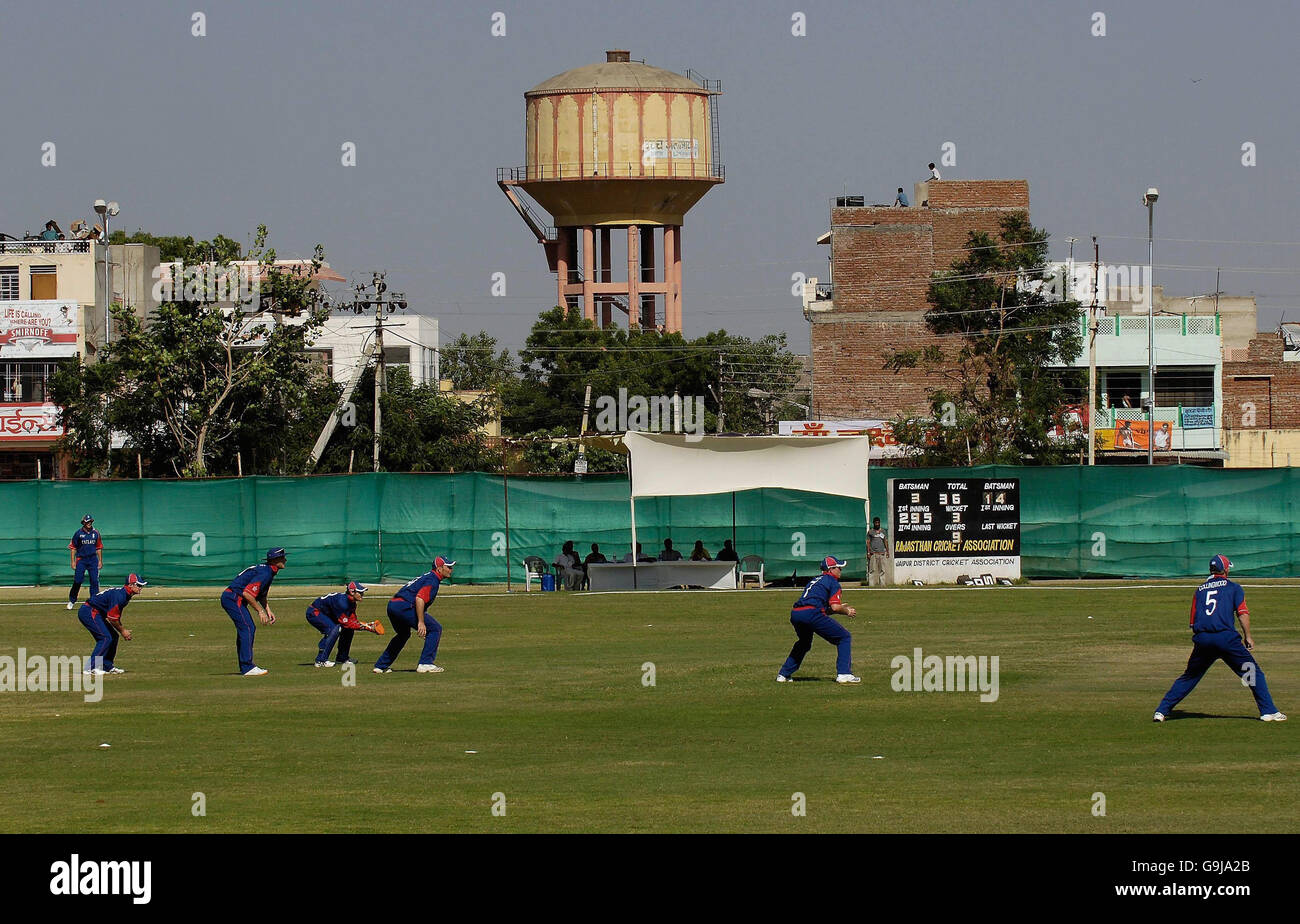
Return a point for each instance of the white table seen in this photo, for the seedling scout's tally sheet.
(659, 575)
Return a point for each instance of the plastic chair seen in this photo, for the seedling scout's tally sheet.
(751, 566)
(534, 568)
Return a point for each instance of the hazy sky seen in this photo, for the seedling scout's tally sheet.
(215, 134)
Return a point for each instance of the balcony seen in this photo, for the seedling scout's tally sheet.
(1191, 428)
(1180, 340)
(38, 247)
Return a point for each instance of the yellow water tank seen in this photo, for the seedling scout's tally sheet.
(619, 143)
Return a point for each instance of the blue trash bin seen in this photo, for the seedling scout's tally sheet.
(548, 582)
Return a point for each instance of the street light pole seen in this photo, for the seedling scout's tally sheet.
(107, 210)
(1149, 200)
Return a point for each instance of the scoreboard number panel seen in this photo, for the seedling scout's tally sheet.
(944, 528)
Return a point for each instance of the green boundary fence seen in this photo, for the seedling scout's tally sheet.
(1107, 521)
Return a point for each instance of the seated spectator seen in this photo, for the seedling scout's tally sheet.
(900, 201)
(640, 556)
(700, 553)
(52, 231)
(934, 173)
(570, 567)
(727, 553)
(596, 557)
(669, 553)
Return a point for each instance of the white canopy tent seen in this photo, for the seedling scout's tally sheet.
(676, 464)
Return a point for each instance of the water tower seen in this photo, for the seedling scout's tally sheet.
(617, 146)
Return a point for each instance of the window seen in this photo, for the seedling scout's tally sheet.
(8, 283)
(1188, 387)
(45, 282)
(25, 381)
(1124, 384)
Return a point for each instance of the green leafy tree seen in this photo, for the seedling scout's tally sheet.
(565, 353)
(554, 452)
(179, 387)
(220, 249)
(1011, 335)
(423, 430)
(473, 363)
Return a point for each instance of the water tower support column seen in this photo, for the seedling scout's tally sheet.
(633, 273)
(606, 275)
(563, 263)
(588, 272)
(673, 275)
(647, 315)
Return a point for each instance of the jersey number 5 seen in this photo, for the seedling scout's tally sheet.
(1210, 603)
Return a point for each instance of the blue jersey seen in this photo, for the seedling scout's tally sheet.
(110, 603)
(337, 607)
(86, 543)
(256, 578)
(820, 594)
(425, 587)
(1216, 605)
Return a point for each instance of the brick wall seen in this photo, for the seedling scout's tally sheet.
(1276, 400)
(883, 259)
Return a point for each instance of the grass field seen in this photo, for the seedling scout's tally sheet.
(547, 692)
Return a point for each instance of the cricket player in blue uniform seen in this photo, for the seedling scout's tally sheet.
(1214, 637)
(335, 617)
(811, 615)
(87, 552)
(409, 610)
(102, 617)
(250, 588)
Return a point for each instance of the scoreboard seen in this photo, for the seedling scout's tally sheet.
(944, 528)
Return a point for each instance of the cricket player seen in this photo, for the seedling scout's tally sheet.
(335, 617)
(811, 615)
(102, 617)
(87, 553)
(1214, 637)
(250, 588)
(409, 610)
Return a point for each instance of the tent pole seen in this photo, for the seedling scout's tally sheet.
(631, 499)
(505, 485)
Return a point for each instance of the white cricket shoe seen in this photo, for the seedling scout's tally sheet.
(324, 663)
(782, 678)
(115, 670)
(847, 678)
(1158, 717)
(71, 604)
(382, 670)
(1273, 717)
(428, 669)
(255, 672)
(96, 671)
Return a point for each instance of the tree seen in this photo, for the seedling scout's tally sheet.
(473, 363)
(220, 249)
(553, 453)
(180, 387)
(565, 353)
(424, 430)
(1011, 335)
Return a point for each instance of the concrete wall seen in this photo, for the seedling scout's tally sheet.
(1262, 448)
(1262, 393)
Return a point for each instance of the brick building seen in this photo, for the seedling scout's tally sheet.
(882, 260)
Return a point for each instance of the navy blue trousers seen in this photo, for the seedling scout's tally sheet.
(105, 639)
(1225, 646)
(403, 622)
(808, 623)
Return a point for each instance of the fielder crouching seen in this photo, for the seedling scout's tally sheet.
(334, 616)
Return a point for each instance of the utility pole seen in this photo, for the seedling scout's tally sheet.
(1069, 267)
(364, 302)
(1092, 353)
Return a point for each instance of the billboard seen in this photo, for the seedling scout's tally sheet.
(884, 445)
(946, 528)
(29, 422)
(38, 329)
(1132, 434)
